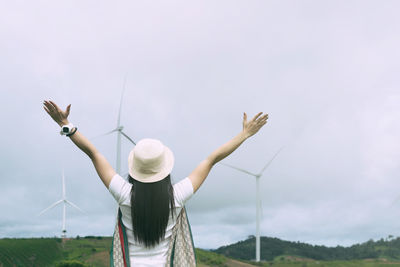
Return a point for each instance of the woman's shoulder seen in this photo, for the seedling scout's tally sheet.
(183, 190)
(119, 188)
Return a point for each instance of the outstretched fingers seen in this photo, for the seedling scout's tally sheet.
(256, 116)
(262, 119)
(54, 105)
(45, 108)
(49, 106)
(255, 124)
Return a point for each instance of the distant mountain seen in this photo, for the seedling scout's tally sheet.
(273, 247)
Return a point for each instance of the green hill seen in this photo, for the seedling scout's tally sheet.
(48, 251)
(94, 252)
(90, 251)
(274, 247)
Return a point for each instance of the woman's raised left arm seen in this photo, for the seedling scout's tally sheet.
(103, 167)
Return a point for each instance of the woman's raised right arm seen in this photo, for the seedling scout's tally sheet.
(200, 173)
(103, 168)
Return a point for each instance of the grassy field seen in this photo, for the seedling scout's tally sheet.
(293, 261)
(94, 252)
(49, 251)
(355, 263)
(29, 252)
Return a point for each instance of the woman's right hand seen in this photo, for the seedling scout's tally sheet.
(57, 114)
(251, 127)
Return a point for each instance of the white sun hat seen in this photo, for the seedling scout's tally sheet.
(150, 161)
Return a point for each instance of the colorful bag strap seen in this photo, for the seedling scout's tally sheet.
(119, 254)
(181, 252)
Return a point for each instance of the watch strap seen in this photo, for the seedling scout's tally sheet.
(72, 132)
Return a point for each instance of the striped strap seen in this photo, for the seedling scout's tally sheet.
(181, 252)
(119, 254)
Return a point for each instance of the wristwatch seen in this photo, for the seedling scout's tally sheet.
(66, 129)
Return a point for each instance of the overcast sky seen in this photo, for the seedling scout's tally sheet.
(326, 72)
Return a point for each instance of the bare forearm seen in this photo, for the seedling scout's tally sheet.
(227, 148)
(83, 144)
(80, 141)
(103, 167)
(200, 173)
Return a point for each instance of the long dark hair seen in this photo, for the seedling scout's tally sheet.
(150, 208)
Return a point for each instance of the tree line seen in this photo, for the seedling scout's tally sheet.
(274, 247)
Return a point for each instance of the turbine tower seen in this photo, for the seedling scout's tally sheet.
(258, 199)
(119, 130)
(64, 201)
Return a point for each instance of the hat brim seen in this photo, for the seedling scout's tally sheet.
(152, 177)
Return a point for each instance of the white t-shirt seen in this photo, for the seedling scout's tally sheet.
(140, 255)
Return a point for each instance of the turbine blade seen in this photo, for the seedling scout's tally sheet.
(107, 133)
(75, 206)
(127, 137)
(120, 102)
(236, 168)
(52, 206)
(269, 162)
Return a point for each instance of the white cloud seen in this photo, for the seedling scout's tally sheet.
(326, 75)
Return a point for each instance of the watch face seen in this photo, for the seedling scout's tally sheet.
(65, 129)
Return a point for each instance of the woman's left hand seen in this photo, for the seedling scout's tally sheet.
(58, 115)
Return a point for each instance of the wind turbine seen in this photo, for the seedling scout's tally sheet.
(119, 131)
(64, 201)
(258, 200)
